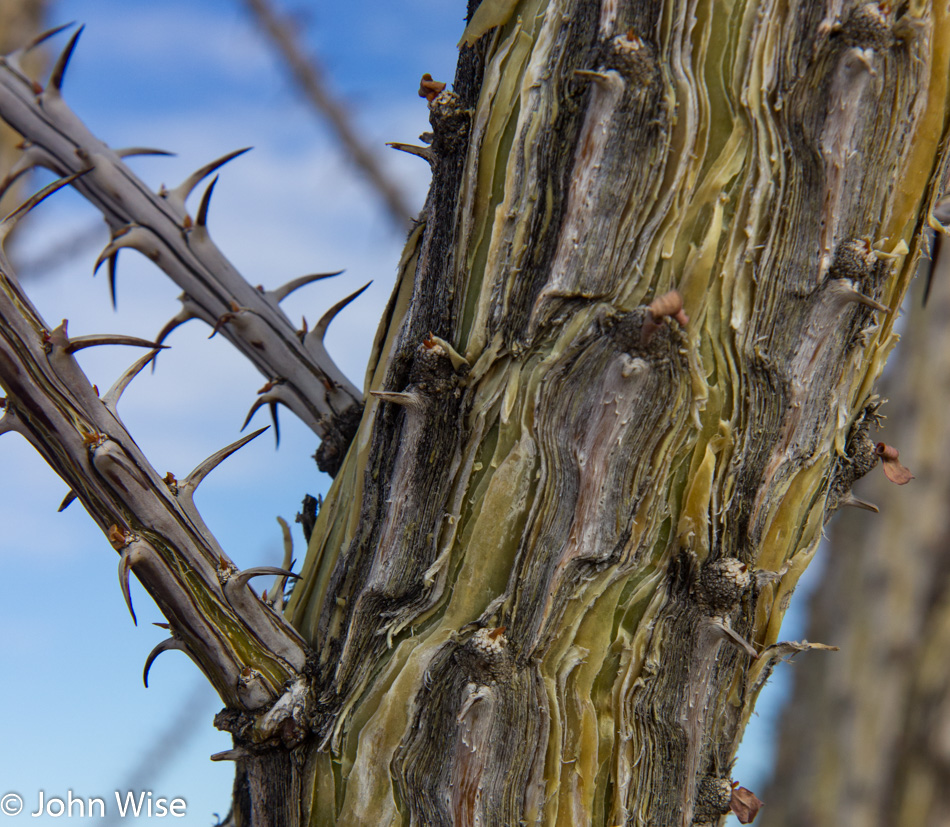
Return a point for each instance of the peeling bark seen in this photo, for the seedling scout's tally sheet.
(627, 505)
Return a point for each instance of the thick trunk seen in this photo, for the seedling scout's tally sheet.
(529, 588)
(864, 738)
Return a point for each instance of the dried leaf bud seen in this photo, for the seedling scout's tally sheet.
(744, 804)
(93, 440)
(430, 89)
(669, 304)
(893, 469)
(118, 538)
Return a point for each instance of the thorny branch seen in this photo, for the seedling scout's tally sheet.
(245, 648)
(300, 373)
(309, 78)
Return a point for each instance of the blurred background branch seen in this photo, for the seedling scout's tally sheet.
(20, 20)
(865, 738)
(313, 86)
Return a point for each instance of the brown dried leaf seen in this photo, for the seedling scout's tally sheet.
(745, 805)
(429, 88)
(896, 472)
(669, 304)
(118, 538)
(893, 469)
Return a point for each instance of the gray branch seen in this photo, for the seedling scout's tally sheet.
(301, 375)
(246, 649)
(309, 78)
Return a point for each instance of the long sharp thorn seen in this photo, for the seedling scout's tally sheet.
(131, 235)
(202, 218)
(222, 320)
(11, 220)
(229, 755)
(854, 502)
(104, 256)
(734, 638)
(600, 78)
(183, 190)
(867, 301)
(273, 416)
(113, 264)
(320, 329)
(193, 480)
(408, 400)
(59, 69)
(164, 646)
(112, 247)
(81, 342)
(133, 151)
(259, 402)
(67, 500)
(42, 38)
(111, 399)
(282, 292)
(17, 171)
(125, 566)
(277, 590)
(423, 152)
(184, 315)
(259, 571)
(288, 544)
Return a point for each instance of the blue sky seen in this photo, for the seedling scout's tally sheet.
(196, 79)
